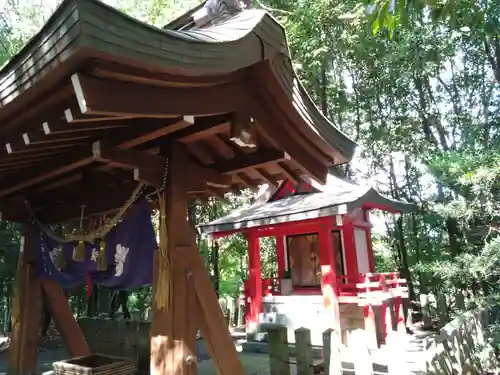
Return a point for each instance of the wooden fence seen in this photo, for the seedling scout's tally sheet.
(461, 346)
(357, 359)
(234, 311)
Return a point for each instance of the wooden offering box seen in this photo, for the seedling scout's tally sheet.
(95, 364)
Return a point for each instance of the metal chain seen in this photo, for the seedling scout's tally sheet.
(165, 176)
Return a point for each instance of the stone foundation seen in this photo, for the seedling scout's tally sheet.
(351, 318)
(308, 312)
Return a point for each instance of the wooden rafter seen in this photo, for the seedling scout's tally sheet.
(80, 158)
(271, 122)
(204, 131)
(20, 149)
(73, 115)
(60, 127)
(56, 138)
(266, 176)
(246, 161)
(42, 108)
(148, 164)
(290, 173)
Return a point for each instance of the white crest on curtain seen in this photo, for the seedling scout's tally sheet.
(95, 255)
(120, 258)
(53, 255)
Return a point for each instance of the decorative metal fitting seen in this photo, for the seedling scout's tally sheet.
(190, 359)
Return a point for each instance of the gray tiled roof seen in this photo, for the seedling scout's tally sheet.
(338, 196)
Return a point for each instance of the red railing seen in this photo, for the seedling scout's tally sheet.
(370, 285)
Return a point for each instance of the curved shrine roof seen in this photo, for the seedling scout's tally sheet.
(307, 201)
(93, 74)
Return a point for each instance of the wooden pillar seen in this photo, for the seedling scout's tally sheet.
(329, 285)
(351, 259)
(64, 319)
(255, 280)
(194, 302)
(369, 248)
(280, 257)
(26, 307)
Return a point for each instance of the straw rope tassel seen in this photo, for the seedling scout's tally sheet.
(79, 252)
(60, 261)
(163, 293)
(102, 264)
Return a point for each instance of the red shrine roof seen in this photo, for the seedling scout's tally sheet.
(307, 200)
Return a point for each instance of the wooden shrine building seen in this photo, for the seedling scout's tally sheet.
(316, 226)
(99, 110)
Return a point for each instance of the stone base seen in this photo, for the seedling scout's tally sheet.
(308, 312)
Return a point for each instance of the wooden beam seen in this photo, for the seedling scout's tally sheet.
(210, 176)
(180, 124)
(172, 342)
(57, 131)
(266, 176)
(199, 177)
(204, 131)
(81, 157)
(111, 97)
(33, 155)
(247, 181)
(26, 307)
(201, 152)
(24, 120)
(212, 324)
(72, 115)
(173, 330)
(277, 127)
(18, 147)
(64, 319)
(223, 148)
(127, 158)
(52, 127)
(290, 173)
(150, 165)
(243, 130)
(255, 159)
(56, 138)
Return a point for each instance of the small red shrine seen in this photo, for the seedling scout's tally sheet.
(325, 275)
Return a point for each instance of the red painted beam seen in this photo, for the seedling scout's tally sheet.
(283, 229)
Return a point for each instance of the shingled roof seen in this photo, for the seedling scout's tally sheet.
(93, 74)
(309, 200)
